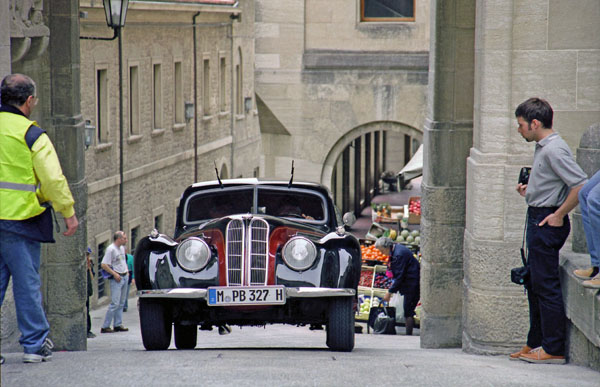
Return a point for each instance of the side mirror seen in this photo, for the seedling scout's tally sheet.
(349, 219)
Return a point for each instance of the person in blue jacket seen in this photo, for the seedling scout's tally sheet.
(407, 275)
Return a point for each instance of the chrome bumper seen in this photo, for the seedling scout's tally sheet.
(191, 293)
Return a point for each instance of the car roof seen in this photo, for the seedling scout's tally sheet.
(257, 182)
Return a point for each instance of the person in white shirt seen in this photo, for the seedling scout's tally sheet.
(115, 263)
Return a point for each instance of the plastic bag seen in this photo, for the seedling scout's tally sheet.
(397, 301)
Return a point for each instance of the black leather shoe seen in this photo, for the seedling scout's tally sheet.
(121, 329)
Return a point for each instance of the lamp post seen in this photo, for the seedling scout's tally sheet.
(116, 13)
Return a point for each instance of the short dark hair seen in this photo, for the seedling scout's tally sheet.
(536, 109)
(118, 234)
(15, 89)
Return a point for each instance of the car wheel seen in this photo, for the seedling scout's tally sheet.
(155, 324)
(340, 328)
(186, 336)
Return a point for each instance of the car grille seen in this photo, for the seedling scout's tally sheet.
(247, 250)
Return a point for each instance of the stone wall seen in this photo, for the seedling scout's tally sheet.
(321, 74)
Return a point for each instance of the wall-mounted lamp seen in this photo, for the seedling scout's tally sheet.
(247, 104)
(90, 132)
(189, 111)
(116, 12)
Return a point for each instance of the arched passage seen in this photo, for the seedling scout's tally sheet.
(354, 164)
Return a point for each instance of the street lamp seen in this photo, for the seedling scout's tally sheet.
(116, 12)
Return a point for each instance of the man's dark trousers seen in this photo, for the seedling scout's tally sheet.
(546, 307)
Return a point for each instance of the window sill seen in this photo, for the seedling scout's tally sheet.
(223, 114)
(207, 118)
(135, 138)
(157, 132)
(103, 147)
(178, 127)
(239, 117)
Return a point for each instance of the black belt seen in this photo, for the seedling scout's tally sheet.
(541, 210)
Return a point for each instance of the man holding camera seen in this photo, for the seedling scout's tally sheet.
(551, 193)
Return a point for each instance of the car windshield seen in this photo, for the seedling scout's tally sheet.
(291, 204)
(218, 204)
(276, 202)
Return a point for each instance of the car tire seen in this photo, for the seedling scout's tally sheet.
(340, 328)
(155, 324)
(186, 336)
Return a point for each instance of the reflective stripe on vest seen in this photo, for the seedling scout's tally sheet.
(18, 187)
(17, 177)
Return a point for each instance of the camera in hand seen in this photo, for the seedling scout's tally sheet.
(524, 175)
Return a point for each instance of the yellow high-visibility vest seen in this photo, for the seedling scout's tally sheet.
(18, 184)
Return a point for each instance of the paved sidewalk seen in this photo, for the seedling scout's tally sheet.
(279, 355)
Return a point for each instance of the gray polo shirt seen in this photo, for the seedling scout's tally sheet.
(553, 173)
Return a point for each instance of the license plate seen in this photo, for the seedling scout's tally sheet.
(251, 295)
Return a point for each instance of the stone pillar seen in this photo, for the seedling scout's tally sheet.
(64, 275)
(4, 39)
(448, 136)
(588, 157)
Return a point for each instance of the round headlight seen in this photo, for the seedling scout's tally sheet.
(299, 253)
(193, 254)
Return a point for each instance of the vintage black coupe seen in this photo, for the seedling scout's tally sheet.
(249, 252)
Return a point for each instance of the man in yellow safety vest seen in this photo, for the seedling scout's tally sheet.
(30, 178)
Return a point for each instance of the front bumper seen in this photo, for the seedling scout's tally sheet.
(192, 293)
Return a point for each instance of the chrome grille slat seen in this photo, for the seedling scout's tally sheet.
(235, 252)
(247, 252)
(259, 231)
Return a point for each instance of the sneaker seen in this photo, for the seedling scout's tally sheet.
(539, 356)
(90, 335)
(43, 354)
(121, 328)
(1, 359)
(224, 329)
(586, 274)
(516, 355)
(106, 330)
(593, 283)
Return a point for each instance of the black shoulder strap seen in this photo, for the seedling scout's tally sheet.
(33, 133)
(523, 249)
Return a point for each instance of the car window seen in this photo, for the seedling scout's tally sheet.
(291, 204)
(218, 204)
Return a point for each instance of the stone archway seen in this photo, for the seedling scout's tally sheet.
(354, 164)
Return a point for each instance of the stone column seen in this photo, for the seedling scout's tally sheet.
(4, 39)
(64, 266)
(448, 136)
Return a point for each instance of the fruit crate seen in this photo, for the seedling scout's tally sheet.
(369, 291)
(414, 218)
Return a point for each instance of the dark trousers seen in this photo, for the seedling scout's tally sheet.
(411, 298)
(89, 319)
(546, 308)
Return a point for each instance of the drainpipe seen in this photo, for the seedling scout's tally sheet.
(121, 158)
(195, 102)
(232, 107)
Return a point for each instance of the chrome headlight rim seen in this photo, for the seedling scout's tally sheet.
(179, 254)
(290, 244)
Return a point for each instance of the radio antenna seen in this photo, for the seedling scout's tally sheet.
(292, 177)
(217, 172)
